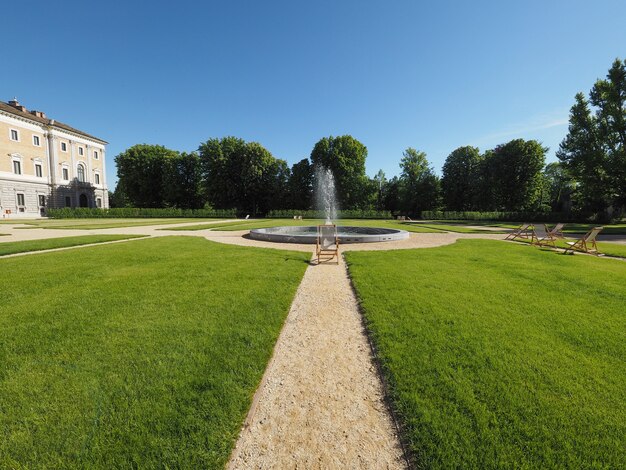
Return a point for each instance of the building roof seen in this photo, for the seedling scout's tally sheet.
(53, 123)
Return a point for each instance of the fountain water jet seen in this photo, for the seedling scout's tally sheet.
(325, 194)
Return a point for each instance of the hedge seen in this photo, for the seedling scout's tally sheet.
(135, 212)
(347, 214)
(515, 216)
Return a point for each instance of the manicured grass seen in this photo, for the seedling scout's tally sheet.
(609, 229)
(457, 228)
(500, 356)
(606, 248)
(136, 355)
(90, 224)
(9, 248)
(265, 223)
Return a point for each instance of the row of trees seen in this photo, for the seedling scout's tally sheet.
(230, 173)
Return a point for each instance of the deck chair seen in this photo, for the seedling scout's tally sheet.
(327, 246)
(586, 244)
(557, 231)
(541, 236)
(523, 231)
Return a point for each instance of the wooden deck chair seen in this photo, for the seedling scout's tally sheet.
(523, 231)
(586, 244)
(327, 246)
(557, 231)
(541, 236)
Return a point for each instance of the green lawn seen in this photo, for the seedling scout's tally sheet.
(606, 248)
(136, 355)
(265, 223)
(500, 356)
(9, 248)
(456, 228)
(90, 224)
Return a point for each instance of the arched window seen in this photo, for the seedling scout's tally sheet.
(81, 173)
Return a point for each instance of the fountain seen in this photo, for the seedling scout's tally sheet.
(325, 193)
(325, 198)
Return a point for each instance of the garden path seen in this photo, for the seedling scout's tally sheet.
(320, 403)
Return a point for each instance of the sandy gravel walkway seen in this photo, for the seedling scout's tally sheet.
(320, 404)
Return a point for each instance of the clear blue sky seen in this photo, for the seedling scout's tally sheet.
(431, 75)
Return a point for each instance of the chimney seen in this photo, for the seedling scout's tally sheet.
(39, 114)
(16, 104)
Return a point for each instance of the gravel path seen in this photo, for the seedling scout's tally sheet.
(320, 404)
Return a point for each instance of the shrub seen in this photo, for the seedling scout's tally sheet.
(347, 214)
(135, 212)
(516, 216)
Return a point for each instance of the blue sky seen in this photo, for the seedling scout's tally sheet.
(430, 75)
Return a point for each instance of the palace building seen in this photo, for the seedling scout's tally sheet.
(47, 164)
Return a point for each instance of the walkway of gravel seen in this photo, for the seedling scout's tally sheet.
(321, 403)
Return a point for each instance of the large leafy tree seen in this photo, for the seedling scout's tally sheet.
(558, 187)
(514, 170)
(461, 179)
(300, 185)
(242, 175)
(609, 98)
(585, 158)
(182, 182)
(345, 157)
(419, 186)
(141, 170)
(594, 150)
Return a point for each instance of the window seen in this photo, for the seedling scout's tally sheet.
(97, 175)
(36, 141)
(81, 151)
(42, 200)
(20, 200)
(17, 167)
(63, 147)
(15, 135)
(38, 170)
(66, 174)
(99, 202)
(80, 172)
(68, 201)
(95, 154)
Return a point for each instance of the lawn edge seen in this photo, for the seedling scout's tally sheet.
(398, 423)
(256, 395)
(71, 247)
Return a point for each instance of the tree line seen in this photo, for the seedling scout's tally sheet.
(230, 173)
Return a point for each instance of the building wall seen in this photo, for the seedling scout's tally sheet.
(52, 160)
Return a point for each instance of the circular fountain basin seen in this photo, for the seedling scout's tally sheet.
(346, 234)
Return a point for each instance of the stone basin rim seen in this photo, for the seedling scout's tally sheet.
(347, 234)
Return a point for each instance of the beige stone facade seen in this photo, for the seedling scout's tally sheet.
(45, 163)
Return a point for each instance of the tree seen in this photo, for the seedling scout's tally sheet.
(345, 157)
(300, 185)
(242, 175)
(594, 150)
(140, 172)
(182, 182)
(584, 157)
(380, 187)
(460, 180)
(609, 98)
(558, 186)
(391, 196)
(117, 198)
(419, 186)
(514, 171)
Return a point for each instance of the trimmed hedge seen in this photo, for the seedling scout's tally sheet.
(515, 216)
(135, 212)
(347, 214)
